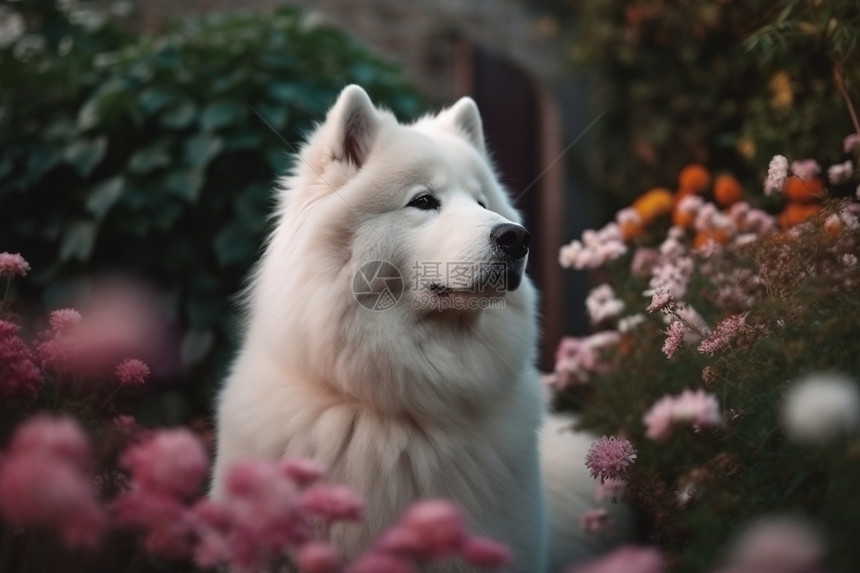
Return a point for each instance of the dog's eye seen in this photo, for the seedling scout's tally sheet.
(425, 202)
(482, 204)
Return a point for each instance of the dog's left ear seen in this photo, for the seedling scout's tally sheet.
(465, 118)
(355, 123)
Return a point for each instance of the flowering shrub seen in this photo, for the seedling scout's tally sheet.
(57, 484)
(730, 361)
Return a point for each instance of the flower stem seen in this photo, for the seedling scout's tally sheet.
(839, 79)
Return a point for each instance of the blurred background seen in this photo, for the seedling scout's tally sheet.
(131, 144)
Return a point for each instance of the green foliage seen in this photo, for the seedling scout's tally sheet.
(726, 84)
(125, 152)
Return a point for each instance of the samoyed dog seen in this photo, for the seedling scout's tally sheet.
(391, 331)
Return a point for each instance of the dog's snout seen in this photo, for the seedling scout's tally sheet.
(512, 239)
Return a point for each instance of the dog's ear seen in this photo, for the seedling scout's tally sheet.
(465, 118)
(355, 123)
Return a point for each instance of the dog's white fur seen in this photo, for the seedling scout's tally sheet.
(404, 403)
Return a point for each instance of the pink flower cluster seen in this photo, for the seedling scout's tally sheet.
(19, 374)
(578, 358)
(627, 559)
(608, 458)
(594, 249)
(603, 304)
(12, 264)
(728, 330)
(46, 482)
(697, 408)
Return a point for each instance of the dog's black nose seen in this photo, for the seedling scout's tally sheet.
(512, 239)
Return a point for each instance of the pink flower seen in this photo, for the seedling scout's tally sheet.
(608, 458)
(627, 559)
(170, 461)
(595, 248)
(662, 298)
(166, 523)
(643, 261)
(487, 553)
(65, 319)
(806, 169)
(437, 526)
(595, 521)
(132, 371)
(577, 358)
(45, 482)
(699, 409)
(59, 438)
(674, 338)
(602, 303)
(332, 503)
(840, 173)
(318, 557)
(727, 330)
(12, 264)
(19, 375)
(375, 562)
(851, 143)
(777, 172)
(302, 470)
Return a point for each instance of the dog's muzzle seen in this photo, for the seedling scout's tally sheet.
(511, 241)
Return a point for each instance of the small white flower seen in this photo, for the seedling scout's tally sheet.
(821, 407)
(841, 172)
(602, 303)
(777, 172)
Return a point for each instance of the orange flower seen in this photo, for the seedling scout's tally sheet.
(653, 203)
(694, 178)
(683, 218)
(800, 191)
(702, 238)
(727, 191)
(796, 213)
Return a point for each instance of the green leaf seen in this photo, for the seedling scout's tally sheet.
(85, 154)
(40, 160)
(155, 99)
(201, 148)
(233, 244)
(179, 116)
(220, 114)
(78, 241)
(104, 196)
(149, 158)
(186, 183)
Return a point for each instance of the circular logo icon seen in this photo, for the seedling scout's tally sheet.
(377, 285)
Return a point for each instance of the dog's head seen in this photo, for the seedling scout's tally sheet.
(418, 201)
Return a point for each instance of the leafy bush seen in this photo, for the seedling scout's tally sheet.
(146, 155)
(728, 84)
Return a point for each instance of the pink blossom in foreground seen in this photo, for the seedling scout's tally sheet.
(595, 521)
(374, 562)
(19, 375)
(594, 249)
(674, 338)
(697, 408)
(166, 524)
(12, 264)
(608, 458)
(777, 545)
(627, 559)
(132, 372)
(487, 553)
(318, 557)
(777, 172)
(437, 528)
(45, 482)
(64, 320)
(59, 438)
(332, 503)
(577, 358)
(303, 471)
(170, 461)
(661, 299)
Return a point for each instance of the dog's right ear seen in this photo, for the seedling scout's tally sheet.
(354, 124)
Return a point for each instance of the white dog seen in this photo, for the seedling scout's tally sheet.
(391, 331)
